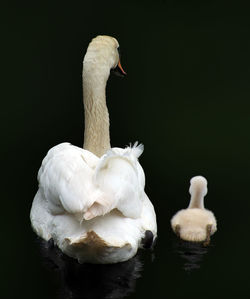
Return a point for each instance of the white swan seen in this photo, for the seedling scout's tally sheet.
(195, 223)
(91, 201)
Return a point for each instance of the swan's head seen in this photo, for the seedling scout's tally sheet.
(198, 183)
(103, 55)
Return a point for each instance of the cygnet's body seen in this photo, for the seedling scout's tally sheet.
(195, 223)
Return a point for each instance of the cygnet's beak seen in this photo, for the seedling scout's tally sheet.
(119, 71)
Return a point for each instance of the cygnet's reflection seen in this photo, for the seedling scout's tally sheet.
(90, 280)
(191, 253)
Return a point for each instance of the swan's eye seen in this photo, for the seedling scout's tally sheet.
(118, 49)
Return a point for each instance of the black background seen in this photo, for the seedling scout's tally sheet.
(186, 98)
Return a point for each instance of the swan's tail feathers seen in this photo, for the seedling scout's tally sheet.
(99, 208)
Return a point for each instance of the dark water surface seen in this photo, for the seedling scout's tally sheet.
(186, 97)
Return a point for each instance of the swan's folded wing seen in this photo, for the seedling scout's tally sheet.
(65, 178)
(120, 180)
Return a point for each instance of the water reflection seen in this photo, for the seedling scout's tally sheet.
(191, 253)
(88, 280)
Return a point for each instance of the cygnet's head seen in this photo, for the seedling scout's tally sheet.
(103, 55)
(198, 184)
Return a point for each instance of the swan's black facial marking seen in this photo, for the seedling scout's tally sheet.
(118, 70)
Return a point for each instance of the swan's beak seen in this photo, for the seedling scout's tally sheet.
(119, 71)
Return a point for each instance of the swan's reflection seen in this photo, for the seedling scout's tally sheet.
(89, 280)
(191, 253)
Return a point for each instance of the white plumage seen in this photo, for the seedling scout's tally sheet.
(93, 205)
(195, 223)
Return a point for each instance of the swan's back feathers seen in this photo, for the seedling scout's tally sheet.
(65, 179)
(121, 179)
(76, 181)
(136, 149)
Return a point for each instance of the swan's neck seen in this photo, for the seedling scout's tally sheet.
(197, 200)
(96, 135)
